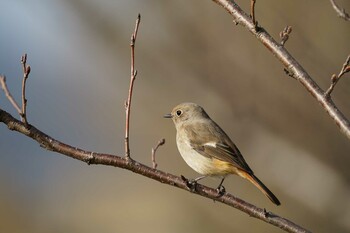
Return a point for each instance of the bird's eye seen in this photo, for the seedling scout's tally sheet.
(178, 112)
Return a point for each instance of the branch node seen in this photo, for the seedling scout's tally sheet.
(335, 78)
(89, 160)
(284, 34)
(27, 71)
(154, 150)
(132, 40)
(290, 73)
(267, 214)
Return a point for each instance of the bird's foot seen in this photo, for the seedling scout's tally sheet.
(221, 190)
(190, 183)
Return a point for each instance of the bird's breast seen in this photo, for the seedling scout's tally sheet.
(202, 164)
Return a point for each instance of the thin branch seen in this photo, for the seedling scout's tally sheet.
(132, 80)
(335, 78)
(290, 64)
(154, 150)
(340, 11)
(8, 95)
(89, 157)
(26, 71)
(284, 35)
(252, 12)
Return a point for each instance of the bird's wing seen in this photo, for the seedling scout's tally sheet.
(216, 144)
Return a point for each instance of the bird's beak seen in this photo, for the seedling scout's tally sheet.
(168, 115)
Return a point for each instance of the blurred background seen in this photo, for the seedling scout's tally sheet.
(186, 51)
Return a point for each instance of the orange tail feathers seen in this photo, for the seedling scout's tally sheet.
(254, 180)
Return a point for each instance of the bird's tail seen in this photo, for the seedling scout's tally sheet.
(253, 179)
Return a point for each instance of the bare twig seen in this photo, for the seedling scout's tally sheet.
(335, 78)
(252, 11)
(21, 111)
(340, 11)
(26, 71)
(89, 157)
(132, 79)
(8, 94)
(284, 35)
(289, 64)
(154, 150)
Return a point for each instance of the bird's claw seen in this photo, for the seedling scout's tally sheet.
(221, 190)
(190, 183)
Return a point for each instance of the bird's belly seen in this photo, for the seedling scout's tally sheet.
(200, 163)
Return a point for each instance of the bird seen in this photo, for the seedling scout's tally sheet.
(208, 150)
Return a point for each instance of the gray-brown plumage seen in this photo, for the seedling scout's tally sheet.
(207, 149)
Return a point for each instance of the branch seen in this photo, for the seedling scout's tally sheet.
(26, 71)
(154, 150)
(132, 80)
(284, 35)
(90, 157)
(8, 94)
(340, 11)
(252, 12)
(335, 78)
(291, 65)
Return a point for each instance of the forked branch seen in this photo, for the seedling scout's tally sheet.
(21, 111)
(335, 78)
(290, 64)
(8, 95)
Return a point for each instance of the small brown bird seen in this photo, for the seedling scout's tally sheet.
(207, 149)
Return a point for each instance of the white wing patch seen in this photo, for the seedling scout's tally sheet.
(212, 144)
